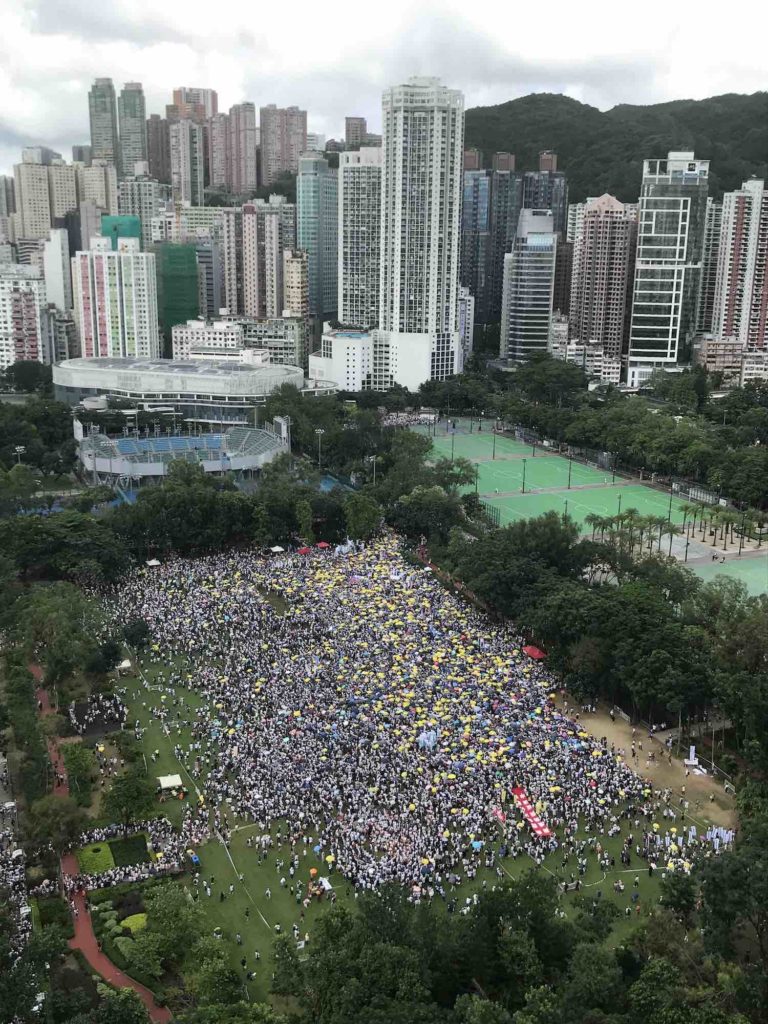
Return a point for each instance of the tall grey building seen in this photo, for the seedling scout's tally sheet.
(506, 198)
(159, 148)
(355, 131)
(187, 164)
(102, 108)
(709, 260)
(143, 197)
(476, 239)
(547, 190)
(269, 228)
(359, 237)
(82, 155)
(283, 138)
(670, 240)
(529, 278)
(133, 127)
(241, 148)
(317, 230)
(423, 143)
(218, 151)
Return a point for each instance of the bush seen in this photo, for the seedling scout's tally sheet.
(124, 944)
(53, 910)
(131, 850)
(135, 923)
(95, 858)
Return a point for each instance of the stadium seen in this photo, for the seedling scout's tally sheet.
(133, 460)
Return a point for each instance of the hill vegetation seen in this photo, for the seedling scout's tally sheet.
(604, 151)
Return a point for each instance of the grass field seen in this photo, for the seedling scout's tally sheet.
(222, 866)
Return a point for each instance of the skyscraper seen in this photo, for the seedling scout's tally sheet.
(57, 271)
(133, 127)
(506, 204)
(115, 300)
(82, 155)
(547, 160)
(741, 289)
(103, 115)
(709, 260)
(547, 190)
(159, 148)
(473, 159)
(269, 228)
(187, 168)
(423, 144)
(143, 197)
(296, 283)
(241, 143)
(670, 237)
(476, 238)
(317, 230)
(62, 189)
(23, 323)
(359, 237)
(355, 130)
(33, 200)
(529, 278)
(218, 151)
(283, 135)
(604, 254)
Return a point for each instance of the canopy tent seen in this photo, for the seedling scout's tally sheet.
(277, 550)
(169, 781)
(323, 544)
(534, 652)
(153, 562)
(124, 666)
(304, 551)
(529, 813)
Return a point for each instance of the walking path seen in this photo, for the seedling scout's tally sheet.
(84, 937)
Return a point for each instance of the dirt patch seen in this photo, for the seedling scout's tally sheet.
(721, 810)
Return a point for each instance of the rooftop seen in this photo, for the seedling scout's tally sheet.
(200, 367)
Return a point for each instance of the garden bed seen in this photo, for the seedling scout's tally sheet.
(130, 850)
(95, 858)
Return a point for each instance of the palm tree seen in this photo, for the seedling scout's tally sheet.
(674, 531)
(593, 520)
(689, 508)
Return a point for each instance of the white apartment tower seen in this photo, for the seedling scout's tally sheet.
(359, 234)
(187, 168)
(141, 197)
(529, 281)
(115, 299)
(57, 271)
(670, 238)
(23, 321)
(423, 148)
(741, 288)
(98, 183)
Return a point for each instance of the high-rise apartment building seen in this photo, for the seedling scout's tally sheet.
(7, 195)
(187, 167)
(741, 290)
(218, 151)
(102, 109)
(547, 190)
(133, 127)
(355, 130)
(62, 188)
(296, 283)
(709, 259)
(423, 133)
(269, 228)
(317, 228)
(283, 135)
(23, 323)
(359, 237)
(159, 148)
(115, 300)
(33, 200)
(196, 104)
(98, 183)
(604, 255)
(529, 278)
(506, 203)
(57, 271)
(547, 160)
(670, 239)
(241, 146)
(476, 237)
(473, 160)
(142, 197)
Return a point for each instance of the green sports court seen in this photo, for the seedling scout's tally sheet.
(581, 502)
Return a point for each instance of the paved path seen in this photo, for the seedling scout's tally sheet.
(84, 938)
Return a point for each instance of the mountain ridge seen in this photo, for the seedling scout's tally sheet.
(603, 151)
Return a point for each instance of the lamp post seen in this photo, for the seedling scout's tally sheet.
(741, 548)
(619, 512)
(565, 512)
(494, 444)
(570, 467)
(477, 476)
(524, 462)
(453, 442)
(372, 460)
(18, 451)
(613, 471)
(319, 434)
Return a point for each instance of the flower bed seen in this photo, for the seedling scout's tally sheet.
(95, 858)
(129, 850)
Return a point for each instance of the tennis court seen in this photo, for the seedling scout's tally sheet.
(602, 501)
(479, 446)
(751, 570)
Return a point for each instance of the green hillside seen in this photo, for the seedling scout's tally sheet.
(603, 152)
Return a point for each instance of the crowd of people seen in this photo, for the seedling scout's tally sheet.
(102, 710)
(13, 884)
(384, 720)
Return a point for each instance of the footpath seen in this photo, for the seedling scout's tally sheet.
(85, 938)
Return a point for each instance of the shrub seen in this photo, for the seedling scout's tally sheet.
(95, 858)
(135, 922)
(131, 850)
(53, 911)
(124, 944)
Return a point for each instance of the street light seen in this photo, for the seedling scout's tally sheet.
(524, 462)
(477, 476)
(619, 505)
(494, 443)
(18, 451)
(453, 442)
(319, 433)
(570, 467)
(372, 459)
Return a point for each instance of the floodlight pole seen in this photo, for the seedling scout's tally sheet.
(524, 462)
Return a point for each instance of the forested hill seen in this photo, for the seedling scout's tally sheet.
(604, 152)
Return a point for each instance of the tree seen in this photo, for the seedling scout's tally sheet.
(57, 821)
(363, 515)
(171, 914)
(131, 797)
(80, 764)
(144, 953)
(121, 1007)
(655, 989)
(679, 894)
(136, 633)
(593, 982)
(237, 1013)
(426, 510)
(28, 375)
(287, 968)
(215, 982)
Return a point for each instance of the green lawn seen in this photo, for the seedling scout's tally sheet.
(603, 501)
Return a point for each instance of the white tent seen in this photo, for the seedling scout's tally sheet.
(277, 550)
(153, 562)
(169, 781)
(124, 666)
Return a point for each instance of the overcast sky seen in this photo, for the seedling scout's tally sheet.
(334, 57)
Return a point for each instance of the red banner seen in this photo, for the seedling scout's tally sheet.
(529, 813)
